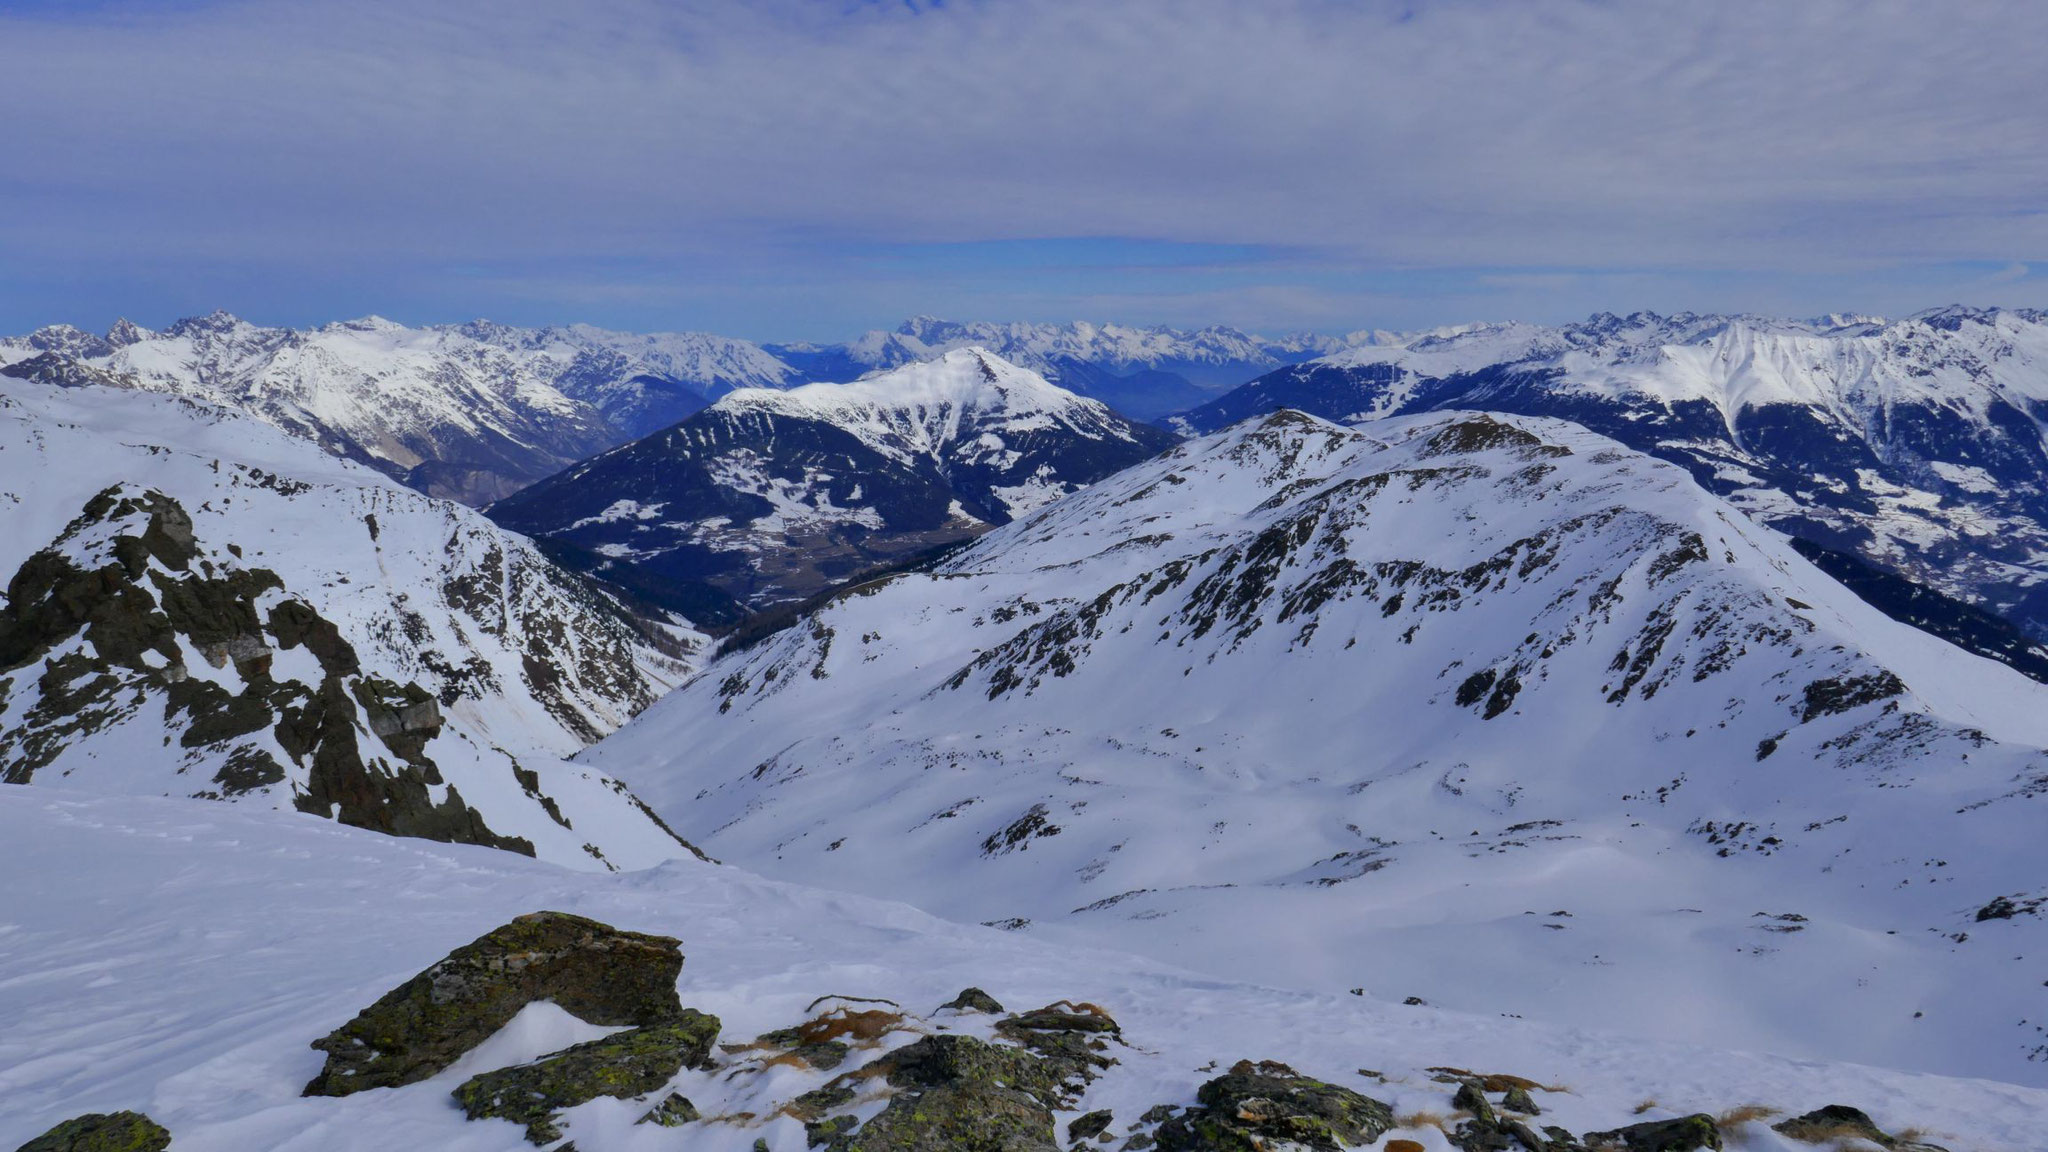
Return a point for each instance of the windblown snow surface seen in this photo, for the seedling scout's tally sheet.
(1484, 710)
(191, 953)
(528, 663)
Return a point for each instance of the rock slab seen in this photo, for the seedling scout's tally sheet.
(595, 972)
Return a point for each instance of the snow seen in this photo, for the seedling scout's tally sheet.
(1246, 782)
(216, 945)
(379, 561)
(922, 409)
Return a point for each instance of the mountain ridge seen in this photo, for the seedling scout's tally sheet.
(774, 494)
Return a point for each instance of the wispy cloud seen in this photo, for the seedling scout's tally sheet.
(328, 149)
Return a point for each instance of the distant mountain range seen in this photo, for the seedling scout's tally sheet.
(1141, 372)
(1914, 446)
(470, 412)
(476, 411)
(775, 495)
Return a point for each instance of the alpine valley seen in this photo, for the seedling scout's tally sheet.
(1619, 736)
(774, 496)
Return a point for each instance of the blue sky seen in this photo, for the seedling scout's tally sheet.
(809, 168)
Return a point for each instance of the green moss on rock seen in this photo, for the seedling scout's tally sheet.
(1685, 1134)
(1253, 1105)
(103, 1132)
(593, 971)
(625, 1064)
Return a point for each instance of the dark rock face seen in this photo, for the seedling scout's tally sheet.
(1685, 1134)
(104, 610)
(628, 1063)
(103, 1132)
(1255, 1104)
(595, 972)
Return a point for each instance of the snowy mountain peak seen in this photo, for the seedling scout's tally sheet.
(1321, 704)
(125, 332)
(771, 495)
(217, 322)
(960, 383)
(1916, 445)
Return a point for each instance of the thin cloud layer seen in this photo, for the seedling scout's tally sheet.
(757, 158)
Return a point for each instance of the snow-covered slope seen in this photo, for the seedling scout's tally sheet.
(772, 495)
(1144, 372)
(1490, 711)
(202, 605)
(211, 948)
(470, 412)
(1916, 446)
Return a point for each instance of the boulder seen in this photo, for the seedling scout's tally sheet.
(624, 1064)
(962, 1094)
(103, 1132)
(1251, 1107)
(596, 973)
(1685, 1134)
(973, 1000)
(1091, 1125)
(1838, 1122)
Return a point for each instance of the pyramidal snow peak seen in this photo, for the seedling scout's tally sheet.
(202, 606)
(773, 495)
(1488, 710)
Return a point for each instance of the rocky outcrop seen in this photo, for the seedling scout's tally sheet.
(1254, 1105)
(958, 1092)
(1839, 1122)
(629, 1063)
(103, 1132)
(973, 1000)
(1684, 1134)
(113, 609)
(595, 972)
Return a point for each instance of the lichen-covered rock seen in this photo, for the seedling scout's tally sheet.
(629, 1063)
(673, 1112)
(826, 1131)
(1470, 1099)
(1072, 1039)
(1685, 1134)
(595, 972)
(1835, 1121)
(962, 1094)
(1519, 1100)
(1060, 1016)
(103, 1132)
(1093, 1124)
(973, 1000)
(1253, 1105)
(1840, 1122)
